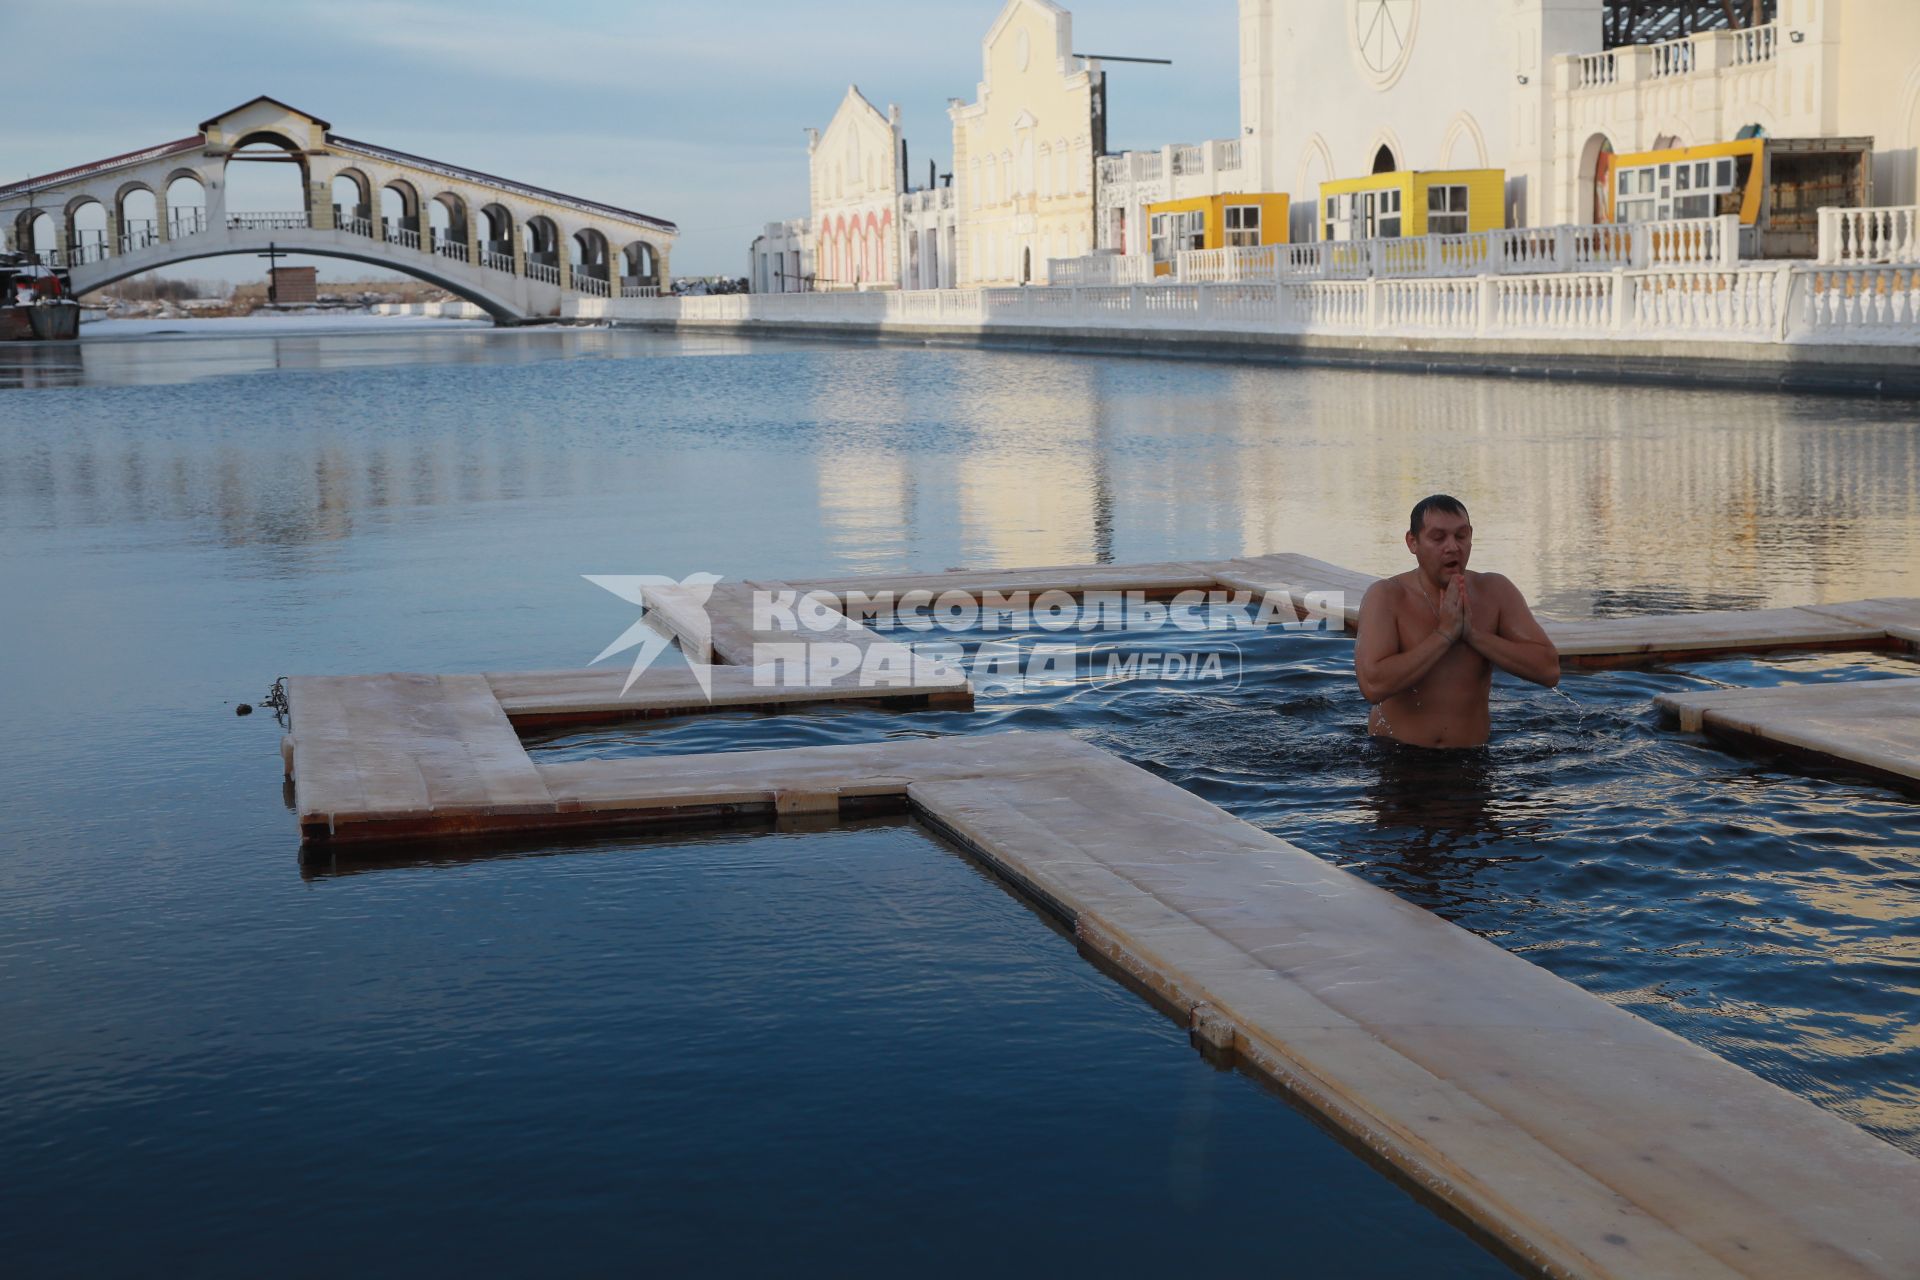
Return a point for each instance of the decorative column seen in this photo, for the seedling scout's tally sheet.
(112, 247)
(162, 217)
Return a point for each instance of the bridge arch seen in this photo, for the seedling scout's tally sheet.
(427, 267)
(256, 148)
(641, 263)
(402, 212)
(352, 193)
(543, 240)
(86, 220)
(136, 208)
(35, 231)
(496, 229)
(447, 215)
(590, 253)
(186, 203)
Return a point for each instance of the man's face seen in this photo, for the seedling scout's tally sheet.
(1442, 546)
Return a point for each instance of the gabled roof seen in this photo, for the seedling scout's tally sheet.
(210, 122)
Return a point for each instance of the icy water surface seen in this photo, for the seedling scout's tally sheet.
(844, 1049)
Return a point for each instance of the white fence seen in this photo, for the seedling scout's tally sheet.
(1761, 303)
(1889, 235)
(1100, 268)
(1693, 242)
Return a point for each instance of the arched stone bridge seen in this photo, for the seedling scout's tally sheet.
(516, 250)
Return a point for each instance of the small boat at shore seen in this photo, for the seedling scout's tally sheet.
(36, 302)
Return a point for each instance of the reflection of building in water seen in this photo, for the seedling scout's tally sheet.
(1590, 497)
(1034, 486)
(1683, 498)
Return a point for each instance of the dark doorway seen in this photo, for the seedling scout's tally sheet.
(1383, 160)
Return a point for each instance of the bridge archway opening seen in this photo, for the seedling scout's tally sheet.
(496, 230)
(265, 180)
(86, 229)
(186, 204)
(642, 265)
(36, 232)
(399, 210)
(447, 215)
(139, 210)
(542, 240)
(352, 199)
(589, 250)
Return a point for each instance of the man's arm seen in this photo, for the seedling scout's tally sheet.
(1518, 645)
(1378, 663)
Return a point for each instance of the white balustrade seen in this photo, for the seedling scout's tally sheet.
(496, 261)
(628, 288)
(1670, 58)
(1889, 234)
(589, 284)
(1596, 71)
(455, 249)
(543, 272)
(1552, 304)
(1100, 268)
(1751, 303)
(1753, 45)
(1694, 242)
(267, 221)
(1860, 304)
(186, 220)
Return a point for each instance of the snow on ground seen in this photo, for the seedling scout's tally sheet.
(267, 326)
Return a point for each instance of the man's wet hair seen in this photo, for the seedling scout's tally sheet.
(1433, 502)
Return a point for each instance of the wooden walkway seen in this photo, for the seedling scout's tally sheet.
(1582, 1139)
(1872, 725)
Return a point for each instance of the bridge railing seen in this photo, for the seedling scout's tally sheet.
(634, 289)
(543, 272)
(267, 221)
(405, 236)
(455, 249)
(138, 235)
(590, 284)
(355, 225)
(497, 261)
(188, 220)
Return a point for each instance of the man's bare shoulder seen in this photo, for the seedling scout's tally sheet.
(1493, 584)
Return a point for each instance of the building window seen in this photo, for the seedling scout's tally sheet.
(1687, 189)
(1446, 211)
(1243, 225)
(1388, 207)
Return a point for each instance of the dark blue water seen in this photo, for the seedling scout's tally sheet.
(839, 1050)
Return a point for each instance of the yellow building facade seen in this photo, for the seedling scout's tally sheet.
(1237, 221)
(1024, 149)
(1412, 203)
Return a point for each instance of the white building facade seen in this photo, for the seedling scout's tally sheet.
(781, 259)
(1335, 89)
(854, 167)
(1024, 149)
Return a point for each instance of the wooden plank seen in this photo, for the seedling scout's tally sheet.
(1675, 634)
(1298, 577)
(1872, 724)
(419, 747)
(540, 697)
(1585, 1138)
(1898, 616)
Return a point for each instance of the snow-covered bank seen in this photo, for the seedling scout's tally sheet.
(273, 325)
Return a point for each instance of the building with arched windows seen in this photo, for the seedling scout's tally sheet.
(1024, 149)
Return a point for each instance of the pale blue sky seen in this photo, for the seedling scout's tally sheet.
(689, 112)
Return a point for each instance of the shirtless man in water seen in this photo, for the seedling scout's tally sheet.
(1431, 637)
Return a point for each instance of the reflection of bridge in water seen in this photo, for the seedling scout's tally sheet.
(516, 250)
